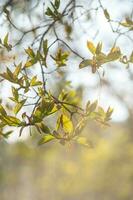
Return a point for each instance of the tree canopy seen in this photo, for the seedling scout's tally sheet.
(38, 53)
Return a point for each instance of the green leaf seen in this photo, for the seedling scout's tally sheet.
(39, 56)
(43, 110)
(45, 139)
(47, 106)
(85, 63)
(44, 128)
(29, 63)
(6, 40)
(30, 52)
(57, 4)
(91, 47)
(65, 122)
(80, 126)
(92, 107)
(101, 58)
(10, 120)
(45, 47)
(15, 93)
(2, 111)
(114, 54)
(108, 114)
(18, 106)
(49, 12)
(34, 81)
(37, 115)
(10, 74)
(106, 14)
(17, 70)
(61, 57)
(99, 48)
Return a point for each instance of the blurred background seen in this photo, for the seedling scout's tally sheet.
(105, 170)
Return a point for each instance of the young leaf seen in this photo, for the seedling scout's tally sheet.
(61, 57)
(2, 111)
(18, 106)
(66, 124)
(34, 81)
(15, 93)
(30, 52)
(91, 47)
(106, 14)
(92, 107)
(108, 114)
(6, 40)
(10, 120)
(45, 47)
(99, 48)
(114, 54)
(49, 12)
(85, 63)
(44, 128)
(57, 3)
(29, 63)
(17, 70)
(45, 139)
